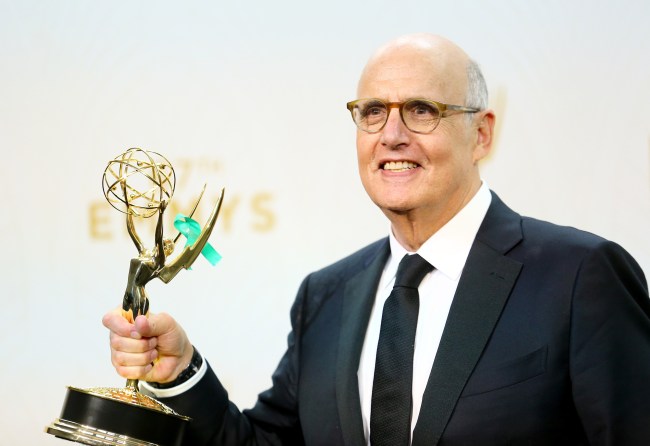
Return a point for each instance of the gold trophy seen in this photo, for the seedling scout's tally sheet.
(138, 183)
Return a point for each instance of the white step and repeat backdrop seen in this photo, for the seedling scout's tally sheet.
(251, 96)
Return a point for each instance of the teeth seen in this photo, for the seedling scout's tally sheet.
(399, 166)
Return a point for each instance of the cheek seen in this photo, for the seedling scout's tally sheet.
(436, 149)
(365, 148)
(449, 146)
(447, 164)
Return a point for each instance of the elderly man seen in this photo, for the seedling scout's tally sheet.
(467, 325)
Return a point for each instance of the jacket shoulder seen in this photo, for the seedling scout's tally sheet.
(504, 229)
(353, 263)
(544, 231)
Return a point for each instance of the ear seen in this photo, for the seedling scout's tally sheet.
(484, 134)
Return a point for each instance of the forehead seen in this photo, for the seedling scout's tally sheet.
(404, 73)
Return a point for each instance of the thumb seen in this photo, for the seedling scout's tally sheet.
(154, 325)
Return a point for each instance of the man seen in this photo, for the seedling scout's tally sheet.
(527, 333)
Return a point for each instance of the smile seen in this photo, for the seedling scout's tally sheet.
(399, 166)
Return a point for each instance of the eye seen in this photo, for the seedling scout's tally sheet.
(421, 110)
(372, 111)
(371, 108)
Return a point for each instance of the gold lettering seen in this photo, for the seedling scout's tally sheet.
(262, 217)
(227, 210)
(98, 220)
(266, 217)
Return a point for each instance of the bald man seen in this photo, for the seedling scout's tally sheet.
(527, 333)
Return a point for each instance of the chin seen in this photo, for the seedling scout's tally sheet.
(395, 207)
(393, 199)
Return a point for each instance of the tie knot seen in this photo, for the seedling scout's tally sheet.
(411, 271)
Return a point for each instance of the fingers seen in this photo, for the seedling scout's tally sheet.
(153, 348)
(143, 326)
(116, 323)
(135, 372)
(132, 358)
(129, 345)
(133, 365)
(124, 359)
(131, 354)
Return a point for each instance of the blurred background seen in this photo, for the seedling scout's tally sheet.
(251, 96)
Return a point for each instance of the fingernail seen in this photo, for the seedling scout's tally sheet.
(135, 335)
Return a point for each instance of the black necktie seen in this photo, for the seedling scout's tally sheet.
(392, 404)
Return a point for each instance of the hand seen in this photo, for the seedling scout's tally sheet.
(153, 348)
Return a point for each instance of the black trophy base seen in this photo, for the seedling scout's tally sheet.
(111, 417)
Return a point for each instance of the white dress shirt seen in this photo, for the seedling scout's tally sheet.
(447, 251)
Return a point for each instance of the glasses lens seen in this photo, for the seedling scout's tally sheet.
(421, 116)
(370, 114)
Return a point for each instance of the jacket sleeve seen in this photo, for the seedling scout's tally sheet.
(610, 348)
(273, 421)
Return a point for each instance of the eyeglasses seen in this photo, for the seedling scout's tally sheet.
(418, 115)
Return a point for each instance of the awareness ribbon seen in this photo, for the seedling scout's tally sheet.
(191, 229)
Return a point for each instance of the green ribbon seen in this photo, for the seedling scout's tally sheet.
(191, 229)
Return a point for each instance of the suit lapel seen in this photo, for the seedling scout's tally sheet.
(483, 289)
(358, 299)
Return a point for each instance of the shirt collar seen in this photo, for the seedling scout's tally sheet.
(448, 248)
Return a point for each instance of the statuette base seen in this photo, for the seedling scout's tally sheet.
(117, 416)
(79, 433)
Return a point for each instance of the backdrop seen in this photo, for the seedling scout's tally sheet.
(251, 96)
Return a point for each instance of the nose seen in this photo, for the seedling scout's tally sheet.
(394, 134)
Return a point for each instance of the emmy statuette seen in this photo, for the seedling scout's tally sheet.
(138, 183)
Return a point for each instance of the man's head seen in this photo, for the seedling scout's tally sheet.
(414, 176)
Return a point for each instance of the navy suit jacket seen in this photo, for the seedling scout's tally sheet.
(547, 343)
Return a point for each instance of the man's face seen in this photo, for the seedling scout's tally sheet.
(419, 174)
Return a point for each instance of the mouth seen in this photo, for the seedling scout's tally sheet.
(399, 166)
